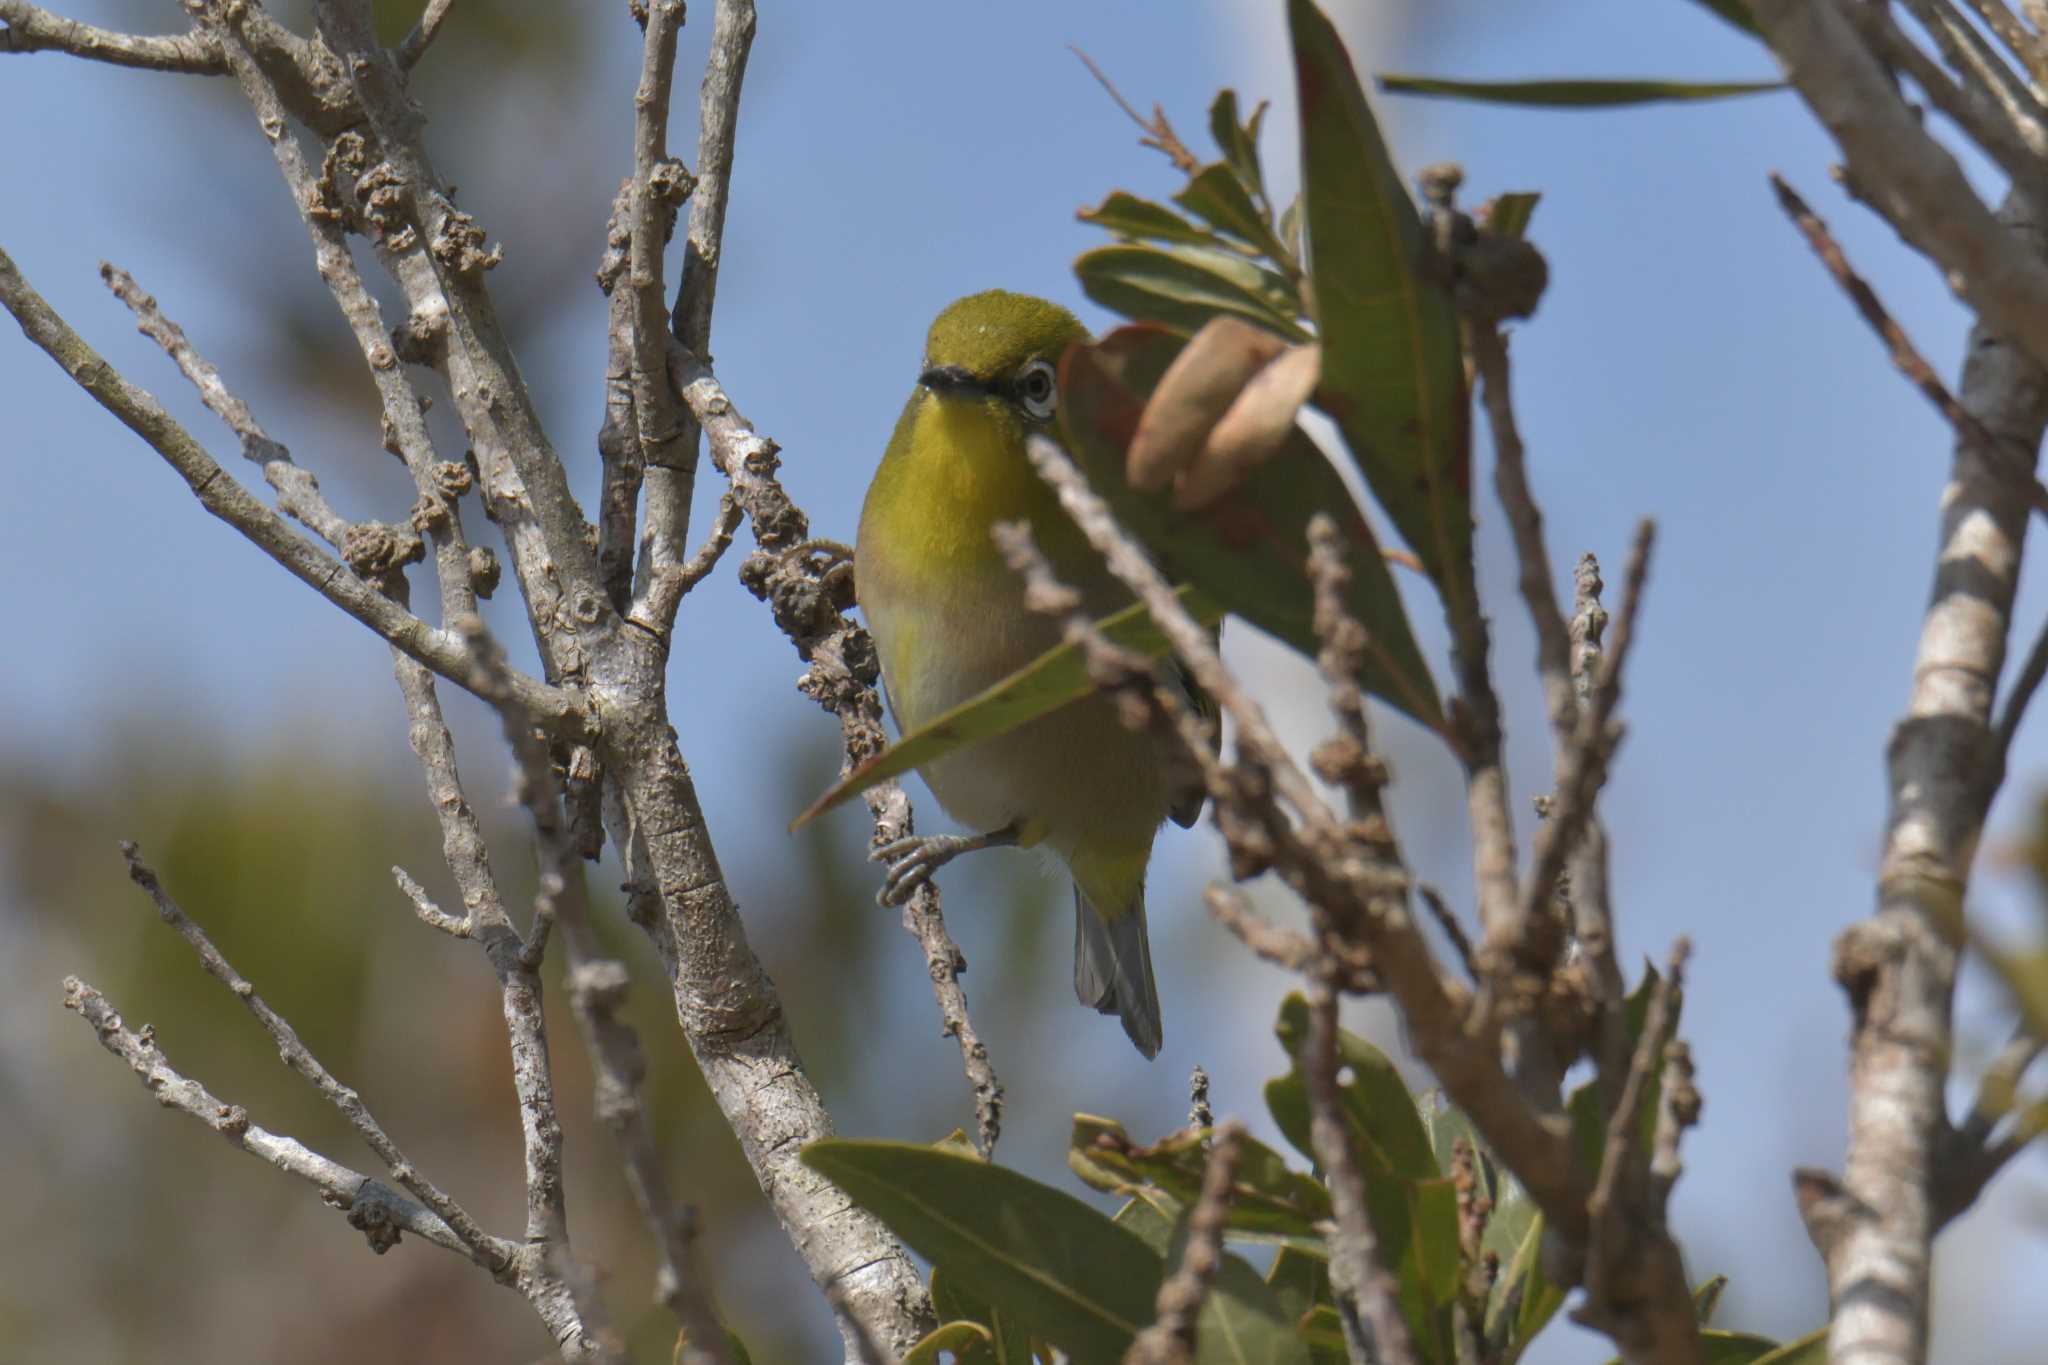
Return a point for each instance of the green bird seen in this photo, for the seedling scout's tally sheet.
(949, 620)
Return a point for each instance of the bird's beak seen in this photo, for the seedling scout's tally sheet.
(949, 380)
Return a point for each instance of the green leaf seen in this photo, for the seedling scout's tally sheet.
(1217, 196)
(1510, 213)
(1151, 1214)
(1008, 1344)
(1811, 1349)
(1381, 1112)
(1706, 1297)
(1300, 1279)
(1241, 1322)
(965, 1340)
(1392, 378)
(1129, 216)
(1071, 1275)
(1182, 287)
(1523, 1300)
(1050, 681)
(1267, 1198)
(1584, 1106)
(1248, 549)
(1416, 1222)
(1239, 142)
(1586, 93)
(1734, 12)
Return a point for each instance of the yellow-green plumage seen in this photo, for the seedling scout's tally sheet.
(948, 619)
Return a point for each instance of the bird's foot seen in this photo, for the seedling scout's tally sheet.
(911, 861)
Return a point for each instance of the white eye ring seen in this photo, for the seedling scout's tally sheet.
(1038, 390)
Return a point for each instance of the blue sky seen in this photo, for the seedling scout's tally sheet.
(1690, 362)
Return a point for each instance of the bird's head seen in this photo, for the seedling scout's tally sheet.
(1000, 347)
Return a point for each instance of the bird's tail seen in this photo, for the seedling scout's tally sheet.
(1112, 956)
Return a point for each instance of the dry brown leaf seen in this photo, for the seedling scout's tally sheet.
(1196, 390)
(1257, 423)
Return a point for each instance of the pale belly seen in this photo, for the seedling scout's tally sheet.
(1074, 776)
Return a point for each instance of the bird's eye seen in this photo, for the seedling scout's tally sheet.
(1038, 391)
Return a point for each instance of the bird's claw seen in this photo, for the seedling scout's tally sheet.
(911, 861)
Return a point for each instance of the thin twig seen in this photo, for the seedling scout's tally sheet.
(1905, 174)
(423, 33)
(1281, 947)
(33, 29)
(1159, 134)
(663, 430)
(2017, 464)
(2019, 40)
(597, 986)
(431, 914)
(1447, 920)
(1368, 1296)
(1983, 74)
(1594, 740)
(2024, 685)
(298, 492)
(1489, 351)
(221, 495)
(1619, 1152)
(351, 1192)
(1170, 1339)
(294, 1054)
(671, 487)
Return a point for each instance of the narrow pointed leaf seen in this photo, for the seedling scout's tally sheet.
(1268, 1200)
(1707, 1297)
(1377, 1104)
(1183, 287)
(1050, 681)
(1218, 197)
(1239, 142)
(1247, 550)
(1071, 1275)
(1578, 93)
(1129, 216)
(1392, 376)
(1523, 1300)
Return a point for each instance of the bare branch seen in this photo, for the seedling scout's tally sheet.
(664, 431)
(1170, 1339)
(423, 33)
(2019, 40)
(1159, 134)
(2016, 461)
(1902, 172)
(33, 29)
(671, 486)
(1488, 348)
(1281, 947)
(1368, 1296)
(1594, 741)
(295, 1055)
(298, 492)
(380, 1213)
(229, 501)
(437, 249)
(432, 915)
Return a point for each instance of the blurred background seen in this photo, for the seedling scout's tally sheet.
(164, 682)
